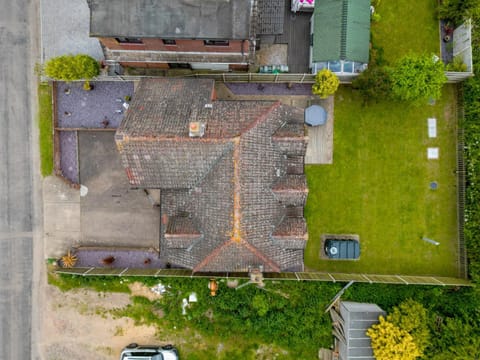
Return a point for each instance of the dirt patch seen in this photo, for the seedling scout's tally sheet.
(272, 55)
(77, 325)
(139, 289)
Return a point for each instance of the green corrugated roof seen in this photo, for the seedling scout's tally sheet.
(341, 30)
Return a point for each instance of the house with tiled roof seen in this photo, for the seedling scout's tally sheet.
(230, 174)
(207, 34)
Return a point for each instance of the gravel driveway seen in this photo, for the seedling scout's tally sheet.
(100, 108)
(94, 109)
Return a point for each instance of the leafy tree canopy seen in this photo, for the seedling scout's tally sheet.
(457, 340)
(458, 11)
(418, 78)
(404, 334)
(72, 67)
(411, 316)
(326, 83)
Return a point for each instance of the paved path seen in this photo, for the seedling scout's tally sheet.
(17, 218)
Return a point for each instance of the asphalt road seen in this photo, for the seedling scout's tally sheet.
(16, 179)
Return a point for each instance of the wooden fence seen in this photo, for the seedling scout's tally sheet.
(293, 276)
(452, 77)
(462, 251)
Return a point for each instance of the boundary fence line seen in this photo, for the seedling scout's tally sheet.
(298, 78)
(462, 251)
(294, 276)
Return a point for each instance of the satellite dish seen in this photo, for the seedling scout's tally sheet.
(333, 250)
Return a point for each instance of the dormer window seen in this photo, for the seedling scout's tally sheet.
(129, 40)
(169, 42)
(216, 42)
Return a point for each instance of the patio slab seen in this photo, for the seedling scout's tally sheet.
(432, 153)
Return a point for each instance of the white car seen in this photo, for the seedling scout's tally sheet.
(149, 352)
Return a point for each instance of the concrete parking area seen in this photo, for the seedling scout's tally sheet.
(112, 214)
(65, 29)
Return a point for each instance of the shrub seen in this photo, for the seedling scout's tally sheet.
(418, 78)
(374, 84)
(72, 67)
(411, 316)
(403, 335)
(326, 83)
(389, 342)
(457, 65)
(376, 17)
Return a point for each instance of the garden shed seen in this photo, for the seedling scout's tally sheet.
(351, 320)
(340, 36)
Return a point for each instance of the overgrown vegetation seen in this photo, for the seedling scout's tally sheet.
(288, 317)
(457, 64)
(472, 154)
(97, 283)
(289, 314)
(45, 126)
(457, 11)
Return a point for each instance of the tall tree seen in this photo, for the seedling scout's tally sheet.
(418, 78)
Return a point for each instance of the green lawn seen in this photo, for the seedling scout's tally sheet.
(45, 126)
(378, 188)
(406, 26)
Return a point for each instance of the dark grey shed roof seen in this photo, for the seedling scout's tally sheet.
(357, 318)
(181, 19)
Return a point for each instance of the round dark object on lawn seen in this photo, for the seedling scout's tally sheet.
(434, 185)
(315, 115)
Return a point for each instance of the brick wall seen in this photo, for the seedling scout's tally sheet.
(155, 44)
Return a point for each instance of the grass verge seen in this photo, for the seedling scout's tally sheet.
(378, 188)
(45, 125)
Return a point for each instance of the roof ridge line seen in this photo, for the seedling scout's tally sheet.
(262, 117)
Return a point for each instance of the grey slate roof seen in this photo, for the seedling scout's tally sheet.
(181, 19)
(355, 319)
(223, 183)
